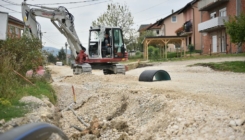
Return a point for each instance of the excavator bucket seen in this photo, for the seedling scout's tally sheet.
(154, 75)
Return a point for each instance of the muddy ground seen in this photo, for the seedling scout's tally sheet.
(198, 103)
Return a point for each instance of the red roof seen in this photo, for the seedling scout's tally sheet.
(16, 20)
(154, 26)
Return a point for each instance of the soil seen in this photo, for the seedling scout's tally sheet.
(198, 103)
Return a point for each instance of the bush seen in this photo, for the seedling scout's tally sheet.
(138, 53)
(4, 102)
(191, 48)
(198, 51)
(19, 54)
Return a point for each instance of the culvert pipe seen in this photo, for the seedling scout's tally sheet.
(154, 75)
(32, 131)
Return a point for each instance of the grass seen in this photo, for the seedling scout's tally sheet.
(188, 57)
(172, 57)
(234, 66)
(17, 109)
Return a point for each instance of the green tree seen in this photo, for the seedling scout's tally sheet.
(62, 54)
(235, 27)
(116, 15)
(51, 58)
(143, 35)
(131, 40)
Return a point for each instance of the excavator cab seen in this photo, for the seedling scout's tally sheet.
(101, 46)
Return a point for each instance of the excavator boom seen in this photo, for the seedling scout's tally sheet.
(63, 20)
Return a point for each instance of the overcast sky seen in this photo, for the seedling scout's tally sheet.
(143, 11)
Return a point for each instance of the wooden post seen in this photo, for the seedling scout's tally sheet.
(184, 48)
(147, 43)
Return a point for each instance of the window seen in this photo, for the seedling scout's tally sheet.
(17, 31)
(213, 15)
(174, 19)
(222, 12)
(118, 39)
(21, 32)
(157, 31)
(11, 29)
(94, 35)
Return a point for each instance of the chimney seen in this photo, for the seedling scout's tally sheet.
(172, 11)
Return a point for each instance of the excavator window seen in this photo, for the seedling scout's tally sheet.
(118, 43)
(94, 43)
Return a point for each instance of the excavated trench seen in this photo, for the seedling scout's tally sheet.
(197, 103)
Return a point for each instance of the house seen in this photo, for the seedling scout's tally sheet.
(170, 23)
(15, 26)
(156, 29)
(213, 14)
(189, 29)
(143, 28)
(167, 27)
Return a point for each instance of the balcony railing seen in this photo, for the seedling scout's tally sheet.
(205, 5)
(212, 24)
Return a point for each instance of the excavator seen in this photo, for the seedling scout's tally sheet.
(95, 55)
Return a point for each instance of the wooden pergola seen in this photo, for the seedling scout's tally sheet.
(164, 40)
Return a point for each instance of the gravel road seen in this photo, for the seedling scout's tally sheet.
(198, 103)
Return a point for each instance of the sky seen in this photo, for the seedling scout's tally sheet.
(143, 11)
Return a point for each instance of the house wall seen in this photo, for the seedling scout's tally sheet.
(243, 6)
(197, 20)
(188, 15)
(162, 31)
(193, 14)
(171, 27)
(155, 32)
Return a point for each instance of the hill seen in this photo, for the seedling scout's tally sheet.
(53, 50)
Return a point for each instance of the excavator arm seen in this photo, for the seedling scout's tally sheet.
(61, 18)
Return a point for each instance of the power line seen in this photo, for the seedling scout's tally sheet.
(51, 41)
(150, 7)
(10, 2)
(88, 4)
(9, 9)
(152, 17)
(68, 2)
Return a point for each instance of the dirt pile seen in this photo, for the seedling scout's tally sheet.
(127, 109)
(198, 103)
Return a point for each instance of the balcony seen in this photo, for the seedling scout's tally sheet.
(185, 30)
(206, 5)
(212, 24)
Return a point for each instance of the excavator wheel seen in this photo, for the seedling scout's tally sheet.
(154, 75)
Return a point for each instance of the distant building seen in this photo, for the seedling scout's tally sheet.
(156, 29)
(15, 26)
(169, 24)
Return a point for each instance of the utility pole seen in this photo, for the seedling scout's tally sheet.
(66, 54)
